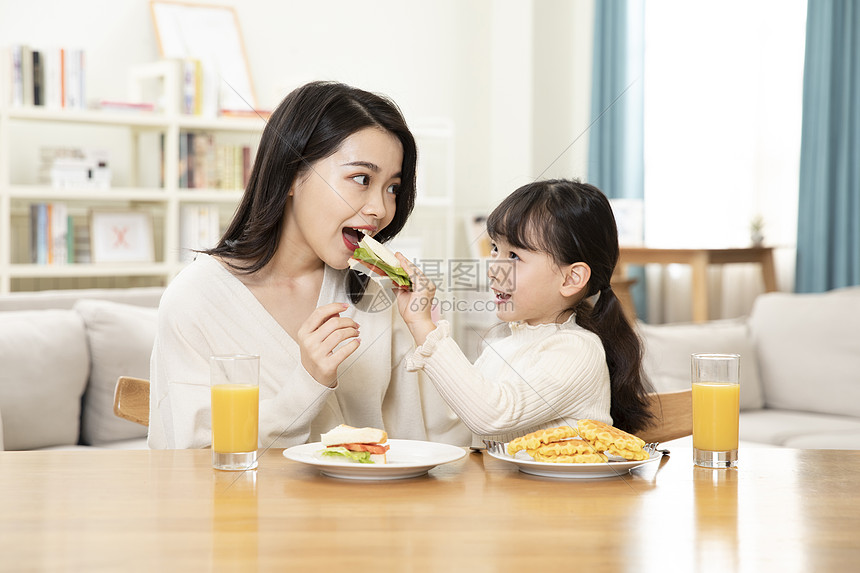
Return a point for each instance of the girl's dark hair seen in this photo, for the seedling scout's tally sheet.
(310, 124)
(573, 222)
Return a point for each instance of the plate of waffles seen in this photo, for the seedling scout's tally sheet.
(592, 449)
(612, 467)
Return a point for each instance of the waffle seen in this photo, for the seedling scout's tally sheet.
(536, 439)
(563, 448)
(632, 455)
(612, 440)
(591, 458)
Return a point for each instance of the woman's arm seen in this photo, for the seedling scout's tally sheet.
(189, 332)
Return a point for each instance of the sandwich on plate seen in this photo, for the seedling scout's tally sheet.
(358, 445)
(375, 260)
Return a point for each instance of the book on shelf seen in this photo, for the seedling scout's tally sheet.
(45, 77)
(192, 87)
(126, 106)
(38, 79)
(247, 113)
(70, 167)
(204, 163)
(52, 234)
(199, 229)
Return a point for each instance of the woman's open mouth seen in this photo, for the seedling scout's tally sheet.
(352, 236)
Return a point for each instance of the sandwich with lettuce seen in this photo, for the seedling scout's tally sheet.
(375, 260)
(355, 445)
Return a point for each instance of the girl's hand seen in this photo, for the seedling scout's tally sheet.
(415, 305)
(318, 336)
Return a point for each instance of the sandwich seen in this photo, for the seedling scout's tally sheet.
(375, 260)
(358, 445)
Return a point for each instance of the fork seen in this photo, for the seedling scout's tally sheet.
(499, 448)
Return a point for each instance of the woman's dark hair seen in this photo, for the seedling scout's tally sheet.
(573, 222)
(310, 124)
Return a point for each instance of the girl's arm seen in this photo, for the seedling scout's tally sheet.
(561, 378)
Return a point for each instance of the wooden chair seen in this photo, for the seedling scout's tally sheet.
(131, 399)
(673, 416)
(673, 411)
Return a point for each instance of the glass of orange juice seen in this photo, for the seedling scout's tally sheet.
(716, 407)
(235, 384)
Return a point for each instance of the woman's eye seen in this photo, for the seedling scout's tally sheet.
(362, 179)
(394, 188)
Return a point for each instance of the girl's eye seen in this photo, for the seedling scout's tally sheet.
(394, 188)
(513, 255)
(494, 249)
(362, 179)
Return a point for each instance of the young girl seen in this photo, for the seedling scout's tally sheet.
(555, 245)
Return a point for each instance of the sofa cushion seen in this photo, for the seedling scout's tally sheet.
(799, 429)
(809, 350)
(668, 348)
(44, 371)
(826, 441)
(120, 339)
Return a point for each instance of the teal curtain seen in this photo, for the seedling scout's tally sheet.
(828, 225)
(616, 162)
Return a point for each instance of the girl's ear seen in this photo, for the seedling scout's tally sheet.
(575, 279)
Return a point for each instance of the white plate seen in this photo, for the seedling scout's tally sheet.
(612, 468)
(406, 459)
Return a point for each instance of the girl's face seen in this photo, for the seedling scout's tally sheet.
(527, 285)
(344, 196)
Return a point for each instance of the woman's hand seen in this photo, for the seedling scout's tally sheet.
(318, 336)
(415, 305)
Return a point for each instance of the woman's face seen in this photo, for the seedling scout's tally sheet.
(344, 196)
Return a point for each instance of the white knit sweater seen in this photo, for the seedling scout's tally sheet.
(538, 377)
(206, 310)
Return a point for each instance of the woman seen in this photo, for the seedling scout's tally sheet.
(334, 163)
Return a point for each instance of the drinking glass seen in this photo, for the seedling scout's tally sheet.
(716, 398)
(235, 386)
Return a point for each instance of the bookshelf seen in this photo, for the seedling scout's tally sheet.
(430, 230)
(142, 134)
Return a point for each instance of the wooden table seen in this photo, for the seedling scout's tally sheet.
(699, 259)
(783, 510)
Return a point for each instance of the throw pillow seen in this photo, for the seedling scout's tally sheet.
(120, 338)
(44, 371)
(668, 348)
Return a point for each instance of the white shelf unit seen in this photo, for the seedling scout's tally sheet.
(430, 230)
(165, 200)
(432, 220)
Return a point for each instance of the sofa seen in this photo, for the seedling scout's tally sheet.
(61, 353)
(800, 366)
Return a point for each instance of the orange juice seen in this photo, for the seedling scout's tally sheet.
(235, 411)
(715, 416)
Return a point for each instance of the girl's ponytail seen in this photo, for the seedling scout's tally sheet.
(629, 409)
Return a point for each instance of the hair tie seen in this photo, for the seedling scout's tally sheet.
(606, 289)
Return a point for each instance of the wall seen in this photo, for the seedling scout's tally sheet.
(503, 71)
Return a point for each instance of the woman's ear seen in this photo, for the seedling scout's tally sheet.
(576, 279)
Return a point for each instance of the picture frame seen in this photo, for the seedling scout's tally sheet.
(121, 237)
(211, 35)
